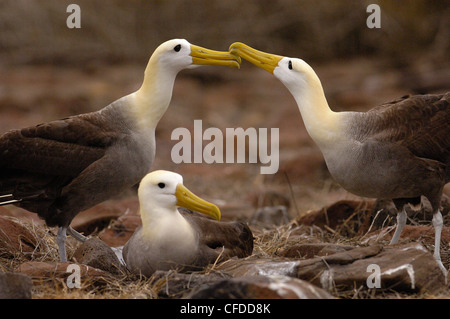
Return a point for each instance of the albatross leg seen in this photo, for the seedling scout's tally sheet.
(401, 222)
(76, 234)
(438, 221)
(61, 240)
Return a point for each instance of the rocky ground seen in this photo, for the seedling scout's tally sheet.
(312, 238)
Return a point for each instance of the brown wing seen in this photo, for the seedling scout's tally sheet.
(225, 239)
(40, 160)
(421, 123)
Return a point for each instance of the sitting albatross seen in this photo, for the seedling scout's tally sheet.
(399, 150)
(63, 167)
(170, 240)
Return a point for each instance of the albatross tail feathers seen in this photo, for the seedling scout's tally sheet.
(8, 199)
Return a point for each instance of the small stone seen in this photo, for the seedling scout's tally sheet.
(15, 286)
(15, 238)
(175, 285)
(260, 287)
(97, 254)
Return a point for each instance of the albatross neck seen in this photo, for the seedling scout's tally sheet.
(323, 125)
(158, 221)
(153, 97)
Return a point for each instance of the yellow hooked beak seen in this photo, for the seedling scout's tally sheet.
(187, 199)
(261, 59)
(202, 56)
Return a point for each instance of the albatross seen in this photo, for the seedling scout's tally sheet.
(60, 168)
(184, 241)
(399, 150)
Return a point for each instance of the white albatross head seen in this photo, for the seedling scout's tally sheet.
(294, 73)
(179, 54)
(160, 192)
(323, 125)
(152, 99)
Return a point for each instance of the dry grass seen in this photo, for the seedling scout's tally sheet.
(35, 32)
(267, 244)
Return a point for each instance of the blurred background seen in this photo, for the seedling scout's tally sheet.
(48, 71)
(120, 31)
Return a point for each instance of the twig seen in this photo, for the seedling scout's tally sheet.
(292, 193)
(371, 224)
(215, 262)
(329, 229)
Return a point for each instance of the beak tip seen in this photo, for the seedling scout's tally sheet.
(203, 56)
(219, 215)
(186, 199)
(215, 212)
(263, 60)
(235, 44)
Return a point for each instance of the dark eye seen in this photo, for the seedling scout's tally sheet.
(177, 48)
(290, 65)
(161, 185)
